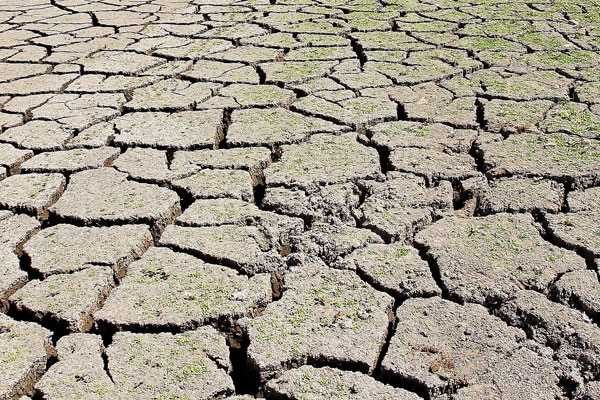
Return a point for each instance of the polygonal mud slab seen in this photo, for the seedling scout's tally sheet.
(395, 268)
(69, 300)
(429, 102)
(395, 134)
(12, 276)
(433, 165)
(569, 332)
(330, 203)
(223, 72)
(580, 290)
(165, 289)
(579, 231)
(187, 129)
(509, 116)
(325, 316)
(487, 259)
(443, 347)
(118, 62)
(216, 183)
(106, 196)
(145, 164)
(67, 248)
(335, 159)
(574, 118)
(69, 161)
(215, 212)
(32, 193)
(584, 200)
(245, 95)
(255, 127)
(295, 71)
(521, 195)
(402, 205)
(554, 156)
(79, 372)
(193, 364)
(11, 157)
(329, 383)
(332, 242)
(16, 229)
(354, 111)
(253, 159)
(170, 94)
(38, 135)
(591, 391)
(25, 348)
(247, 249)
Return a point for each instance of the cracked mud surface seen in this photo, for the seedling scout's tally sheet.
(299, 199)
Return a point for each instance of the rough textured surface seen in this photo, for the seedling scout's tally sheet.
(167, 289)
(486, 259)
(106, 196)
(328, 383)
(324, 315)
(67, 248)
(193, 364)
(309, 179)
(67, 299)
(448, 348)
(24, 349)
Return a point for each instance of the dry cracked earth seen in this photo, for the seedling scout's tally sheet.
(300, 199)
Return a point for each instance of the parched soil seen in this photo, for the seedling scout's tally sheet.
(299, 199)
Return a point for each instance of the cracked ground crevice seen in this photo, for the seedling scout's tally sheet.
(277, 199)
